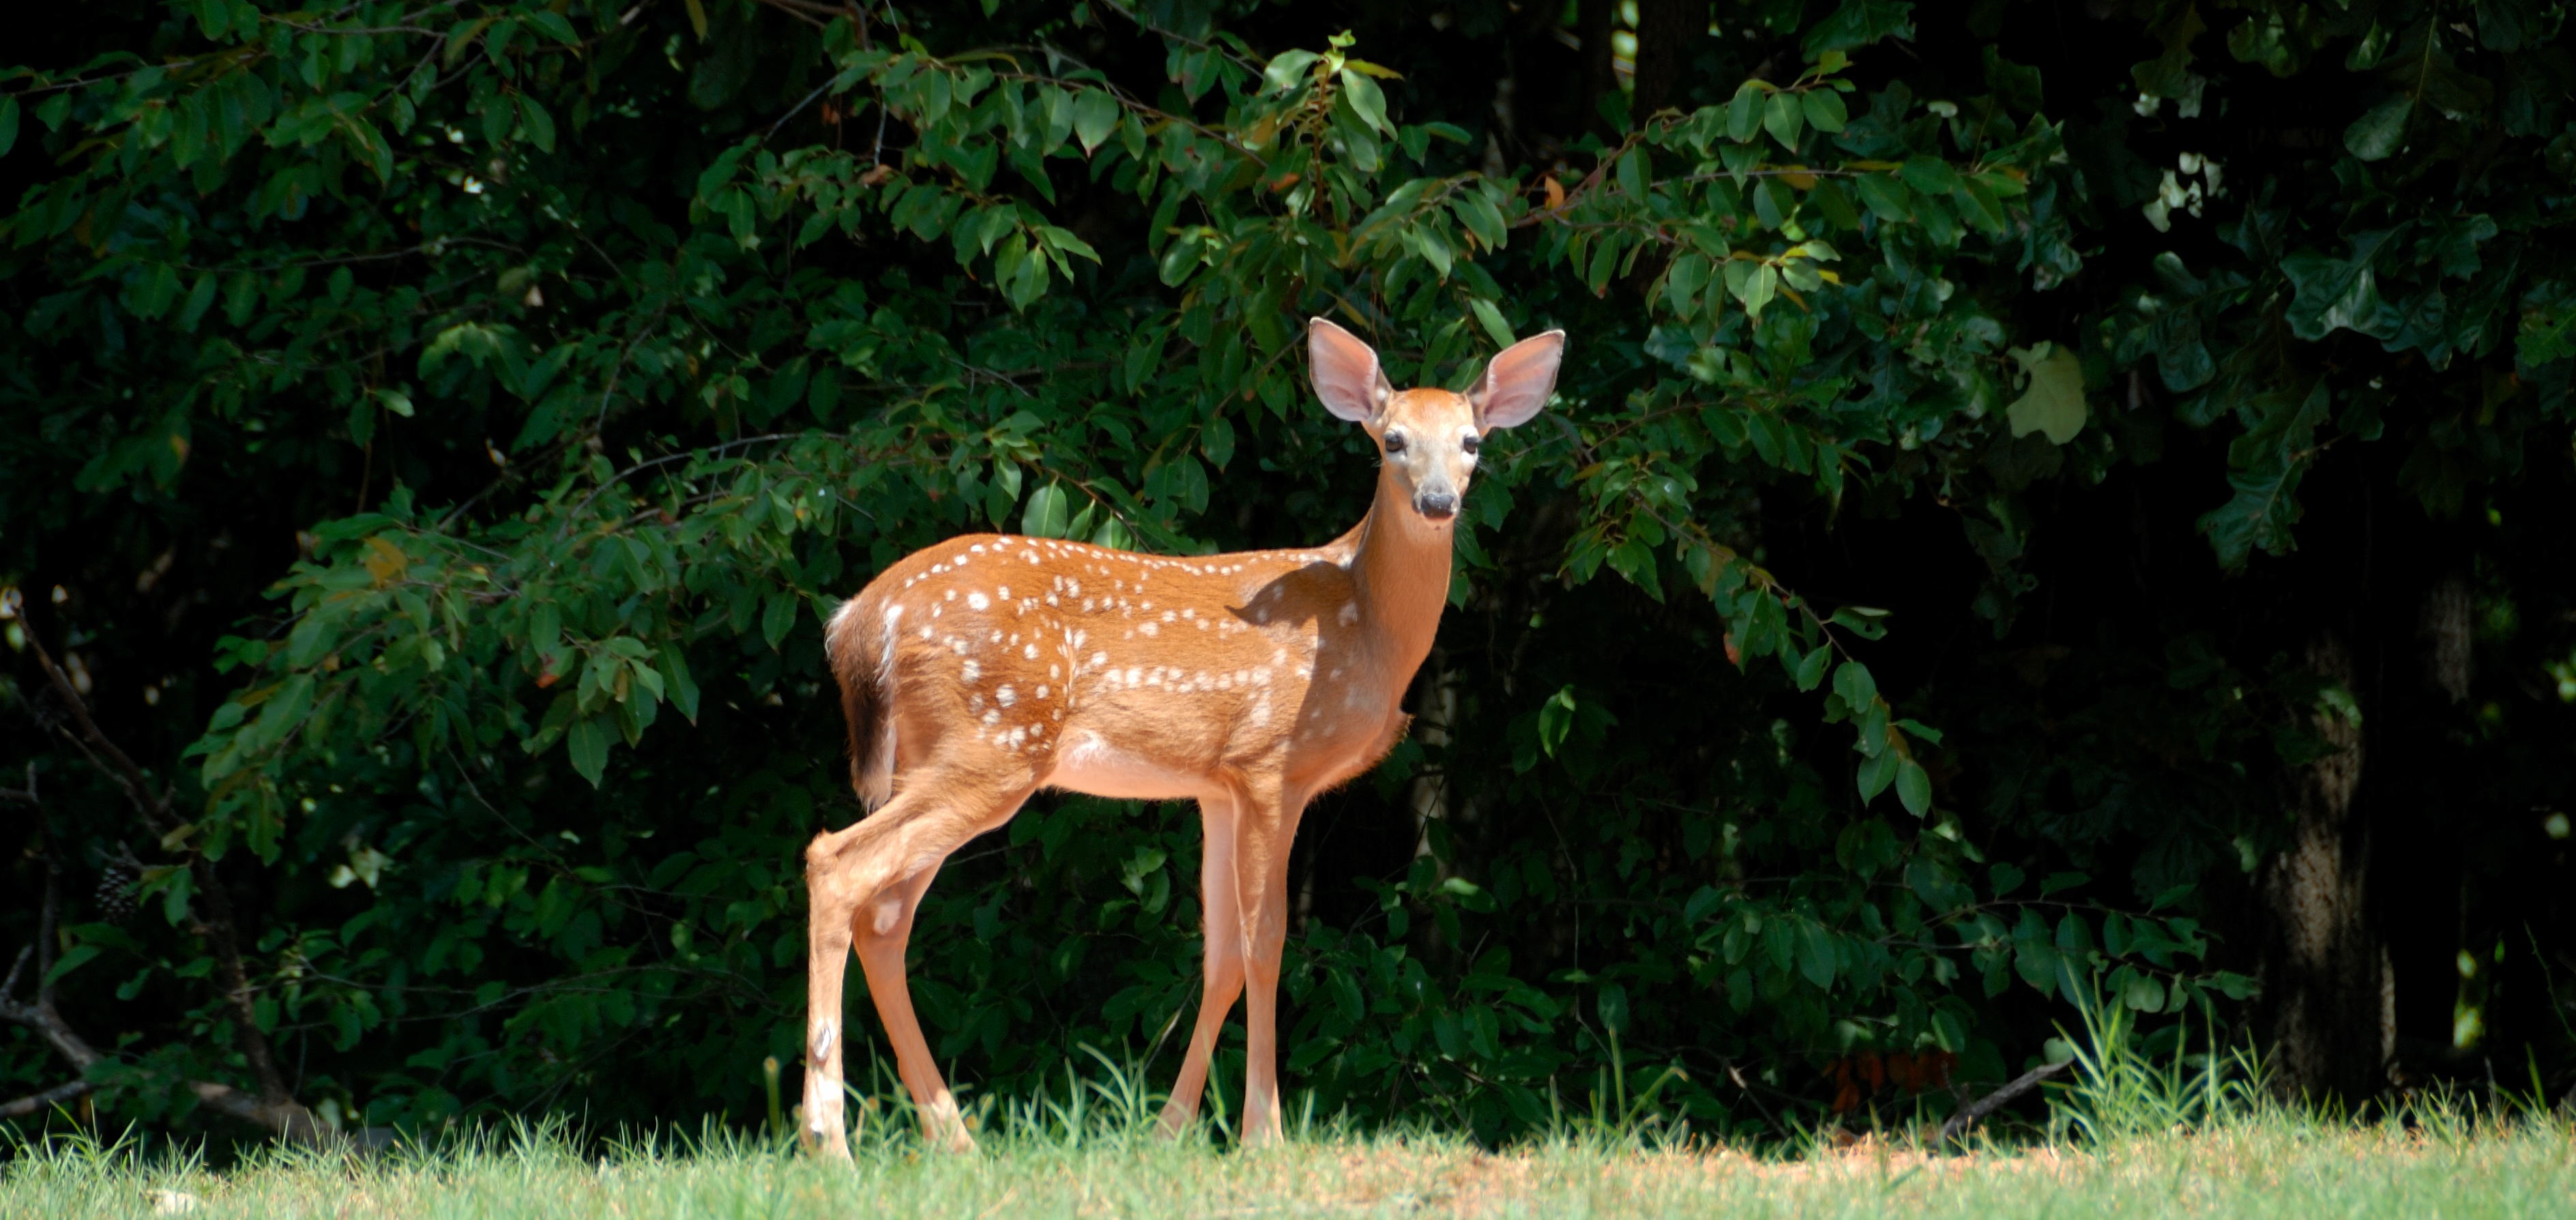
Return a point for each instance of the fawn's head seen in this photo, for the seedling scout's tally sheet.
(1430, 437)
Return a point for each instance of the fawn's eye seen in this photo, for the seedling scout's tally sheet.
(1472, 443)
(1395, 442)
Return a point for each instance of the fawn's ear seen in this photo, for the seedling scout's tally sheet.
(1346, 373)
(1516, 385)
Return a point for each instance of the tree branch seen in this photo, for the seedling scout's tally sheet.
(275, 1107)
(282, 1115)
(39, 1014)
(116, 762)
(34, 1103)
(1991, 1102)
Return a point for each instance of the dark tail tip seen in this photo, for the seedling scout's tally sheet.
(858, 663)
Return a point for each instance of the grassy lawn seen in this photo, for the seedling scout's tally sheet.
(2273, 1165)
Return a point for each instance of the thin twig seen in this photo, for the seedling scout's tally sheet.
(709, 451)
(793, 111)
(138, 786)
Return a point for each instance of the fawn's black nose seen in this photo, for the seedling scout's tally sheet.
(1437, 505)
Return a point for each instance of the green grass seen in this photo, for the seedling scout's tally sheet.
(2126, 1138)
(2271, 1165)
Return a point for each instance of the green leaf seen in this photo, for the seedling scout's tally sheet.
(1095, 114)
(1491, 319)
(1685, 281)
(71, 960)
(2142, 992)
(1876, 772)
(1783, 117)
(555, 26)
(1482, 218)
(1858, 23)
(2269, 462)
(1816, 954)
(462, 37)
(1811, 669)
(2062, 881)
(1612, 1007)
(778, 618)
(536, 124)
(697, 17)
(1046, 515)
(1366, 100)
(1287, 69)
(1886, 197)
(1853, 682)
(1913, 787)
(1760, 288)
(2035, 957)
(1636, 170)
(1744, 113)
(1825, 110)
(587, 743)
(2332, 293)
(2053, 405)
(1930, 175)
(683, 689)
(8, 124)
(2377, 134)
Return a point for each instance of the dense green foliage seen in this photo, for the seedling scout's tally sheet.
(587, 353)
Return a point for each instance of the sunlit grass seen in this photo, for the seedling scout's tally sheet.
(2443, 1162)
(2129, 1137)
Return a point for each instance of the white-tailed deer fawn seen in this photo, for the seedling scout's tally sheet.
(980, 670)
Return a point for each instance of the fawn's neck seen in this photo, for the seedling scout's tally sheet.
(1401, 564)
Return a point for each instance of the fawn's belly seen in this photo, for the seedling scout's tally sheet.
(1085, 762)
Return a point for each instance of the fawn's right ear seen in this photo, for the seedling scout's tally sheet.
(1346, 373)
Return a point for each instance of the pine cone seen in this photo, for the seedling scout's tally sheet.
(115, 895)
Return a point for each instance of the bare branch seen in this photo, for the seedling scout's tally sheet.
(41, 1017)
(34, 1103)
(116, 762)
(1991, 1102)
(282, 1115)
(285, 1116)
(275, 1107)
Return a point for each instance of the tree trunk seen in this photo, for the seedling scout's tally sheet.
(1667, 30)
(1594, 20)
(2326, 977)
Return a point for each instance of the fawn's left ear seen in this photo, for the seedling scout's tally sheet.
(1516, 385)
